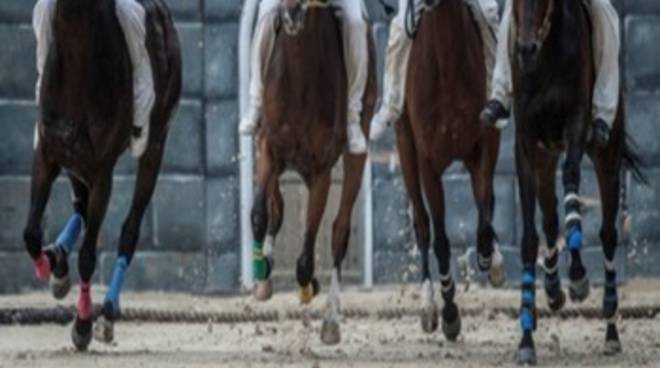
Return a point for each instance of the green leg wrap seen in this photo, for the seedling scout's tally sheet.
(259, 262)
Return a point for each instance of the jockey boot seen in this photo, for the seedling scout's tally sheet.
(381, 121)
(492, 113)
(357, 143)
(248, 125)
(601, 132)
(139, 140)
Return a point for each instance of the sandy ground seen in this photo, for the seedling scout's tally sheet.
(486, 339)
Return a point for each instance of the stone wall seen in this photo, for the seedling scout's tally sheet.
(190, 237)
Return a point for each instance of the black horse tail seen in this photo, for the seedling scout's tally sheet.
(633, 162)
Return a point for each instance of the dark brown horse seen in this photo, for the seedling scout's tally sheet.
(304, 129)
(553, 76)
(85, 124)
(445, 90)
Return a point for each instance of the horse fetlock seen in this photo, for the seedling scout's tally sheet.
(578, 289)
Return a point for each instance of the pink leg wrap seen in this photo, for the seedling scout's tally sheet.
(42, 267)
(84, 302)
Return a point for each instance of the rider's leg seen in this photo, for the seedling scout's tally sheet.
(607, 43)
(499, 103)
(262, 46)
(396, 68)
(356, 51)
(132, 18)
(42, 23)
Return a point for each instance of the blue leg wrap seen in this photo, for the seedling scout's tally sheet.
(574, 238)
(526, 320)
(69, 235)
(114, 289)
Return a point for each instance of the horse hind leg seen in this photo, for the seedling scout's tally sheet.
(262, 261)
(489, 257)
(545, 184)
(147, 176)
(318, 197)
(411, 178)
(579, 280)
(432, 184)
(353, 172)
(44, 174)
(264, 289)
(609, 184)
(65, 243)
(99, 197)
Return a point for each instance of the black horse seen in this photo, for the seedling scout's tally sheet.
(85, 124)
(553, 78)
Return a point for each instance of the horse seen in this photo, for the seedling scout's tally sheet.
(553, 79)
(304, 129)
(85, 124)
(445, 90)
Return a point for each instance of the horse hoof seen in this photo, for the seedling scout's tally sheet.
(430, 319)
(578, 290)
(612, 347)
(81, 334)
(104, 330)
(497, 276)
(330, 333)
(263, 290)
(60, 287)
(452, 329)
(526, 356)
(557, 303)
(308, 292)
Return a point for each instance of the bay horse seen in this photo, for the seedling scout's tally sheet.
(85, 124)
(553, 79)
(446, 88)
(304, 129)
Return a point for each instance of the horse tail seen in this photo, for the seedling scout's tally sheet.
(633, 162)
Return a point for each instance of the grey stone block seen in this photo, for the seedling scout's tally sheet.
(17, 273)
(645, 7)
(16, 11)
(392, 223)
(643, 111)
(19, 73)
(14, 207)
(18, 136)
(186, 10)
(222, 214)
(184, 153)
(222, 138)
(222, 10)
(641, 60)
(192, 50)
(223, 272)
(221, 52)
(180, 213)
(163, 271)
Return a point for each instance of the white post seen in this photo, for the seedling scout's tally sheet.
(248, 16)
(367, 225)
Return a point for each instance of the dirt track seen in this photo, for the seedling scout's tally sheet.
(486, 340)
